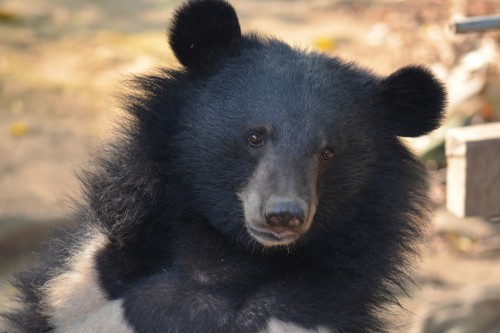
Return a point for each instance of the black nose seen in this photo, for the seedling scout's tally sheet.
(286, 213)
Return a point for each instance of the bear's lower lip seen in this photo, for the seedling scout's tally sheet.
(274, 236)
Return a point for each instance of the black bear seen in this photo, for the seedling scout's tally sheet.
(257, 188)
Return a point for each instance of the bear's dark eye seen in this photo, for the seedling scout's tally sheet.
(326, 155)
(255, 140)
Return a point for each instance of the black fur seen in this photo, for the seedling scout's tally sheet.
(166, 194)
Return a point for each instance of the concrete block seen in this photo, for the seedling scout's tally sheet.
(473, 180)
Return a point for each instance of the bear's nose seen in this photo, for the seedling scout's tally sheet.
(285, 213)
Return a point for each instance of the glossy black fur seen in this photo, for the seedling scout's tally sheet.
(166, 192)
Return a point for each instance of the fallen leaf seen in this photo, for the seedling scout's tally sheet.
(325, 43)
(18, 129)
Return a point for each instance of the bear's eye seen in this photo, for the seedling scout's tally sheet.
(255, 140)
(326, 155)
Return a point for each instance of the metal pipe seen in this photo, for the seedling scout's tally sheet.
(476, 23)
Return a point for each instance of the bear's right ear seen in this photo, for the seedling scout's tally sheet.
(202, 31)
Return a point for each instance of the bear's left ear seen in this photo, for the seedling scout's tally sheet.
(202, 31)
(412, 101)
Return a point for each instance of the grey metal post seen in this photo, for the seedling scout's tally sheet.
(476, 23)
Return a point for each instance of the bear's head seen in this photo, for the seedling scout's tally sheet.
(283, 143)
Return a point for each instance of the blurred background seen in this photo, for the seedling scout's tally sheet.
(62, 61)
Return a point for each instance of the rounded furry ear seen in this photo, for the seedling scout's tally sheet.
(202, 31)
(413, 101)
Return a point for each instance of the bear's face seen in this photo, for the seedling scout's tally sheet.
(281, 140)
(280, 131)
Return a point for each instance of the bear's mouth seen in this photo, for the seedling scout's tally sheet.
(273, 236)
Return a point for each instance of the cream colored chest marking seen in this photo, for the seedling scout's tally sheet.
(277, 326)
(75, 301)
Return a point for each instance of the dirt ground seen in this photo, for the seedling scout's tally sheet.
(62, 61)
